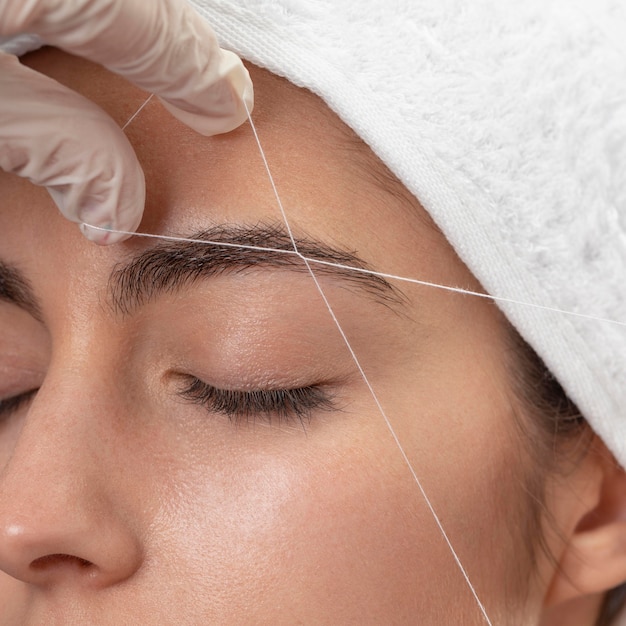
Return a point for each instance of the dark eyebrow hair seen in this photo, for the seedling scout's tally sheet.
(170, 265)
(14, 288)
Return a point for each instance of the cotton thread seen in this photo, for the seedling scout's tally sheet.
(362, 270)
(307, 261)
(364, 376)
(137, 112)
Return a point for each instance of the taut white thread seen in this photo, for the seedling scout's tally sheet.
(363, 375)
(469, 292)
(363, 270)
(137, 112)
(307, 260)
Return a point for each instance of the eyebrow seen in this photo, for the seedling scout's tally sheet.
(15, 289)
(173, 265)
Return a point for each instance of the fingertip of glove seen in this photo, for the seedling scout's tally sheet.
(106, 232)
(103, 226)
(221, 106)
(104, 235)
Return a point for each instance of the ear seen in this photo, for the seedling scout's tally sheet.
(594, 559)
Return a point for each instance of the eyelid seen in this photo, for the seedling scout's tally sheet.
(285, 404)
(11, 405)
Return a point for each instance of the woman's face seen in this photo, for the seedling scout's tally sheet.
(185, 436)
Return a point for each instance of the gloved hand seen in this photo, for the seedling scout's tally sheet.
(56, 138)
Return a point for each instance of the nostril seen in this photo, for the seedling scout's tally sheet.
(60, 560)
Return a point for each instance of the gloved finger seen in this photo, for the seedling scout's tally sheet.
(163, 46)
(54, 137)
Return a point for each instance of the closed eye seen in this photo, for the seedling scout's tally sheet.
(9, 406)
(285, 405)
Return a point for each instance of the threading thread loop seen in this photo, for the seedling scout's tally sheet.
(364, 376)
(308, 262)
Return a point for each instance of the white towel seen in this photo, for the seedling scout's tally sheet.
(507, 120)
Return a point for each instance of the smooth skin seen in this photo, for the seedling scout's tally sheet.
(123, 500)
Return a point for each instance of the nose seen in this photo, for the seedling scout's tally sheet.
(61, 519)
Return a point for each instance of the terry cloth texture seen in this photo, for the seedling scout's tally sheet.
(507, 120)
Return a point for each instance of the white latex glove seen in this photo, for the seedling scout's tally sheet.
(56, 138)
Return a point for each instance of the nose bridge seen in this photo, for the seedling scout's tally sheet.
(61, 517)
(62, 433)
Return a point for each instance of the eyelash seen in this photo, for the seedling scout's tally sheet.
(9, 406)
(287, 405)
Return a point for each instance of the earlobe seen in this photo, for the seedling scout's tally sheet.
(594, 561)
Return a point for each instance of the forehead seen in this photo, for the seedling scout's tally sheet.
(330, 183)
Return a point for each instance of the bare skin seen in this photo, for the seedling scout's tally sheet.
(123, 499)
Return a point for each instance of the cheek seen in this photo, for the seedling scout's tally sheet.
(331, 523)
(322, 532)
